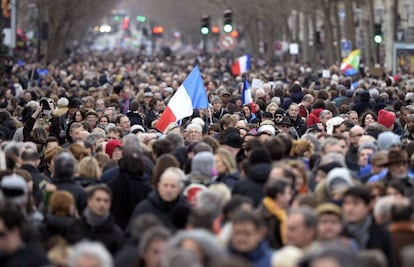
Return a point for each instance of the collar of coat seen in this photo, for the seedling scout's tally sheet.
(405, 226)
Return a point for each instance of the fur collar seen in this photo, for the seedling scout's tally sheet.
(401, 227)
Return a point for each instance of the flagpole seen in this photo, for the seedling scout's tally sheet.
(209, 114)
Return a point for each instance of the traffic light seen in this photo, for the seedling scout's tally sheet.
(378, 35)
(125, 23)
(205, 25)
(141, 18)
(228, 21)
(158, 30)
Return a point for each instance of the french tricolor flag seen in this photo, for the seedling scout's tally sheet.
(189, 96)
(241, 65)
(247, 96)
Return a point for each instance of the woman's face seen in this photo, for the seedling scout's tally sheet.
(103, 122)
(152, 254)
(272, 110)
(369, 119)
(78, 116)
(217, 106)
(246, 111)
(220, 167)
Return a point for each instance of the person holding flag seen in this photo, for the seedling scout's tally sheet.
(249, 107)
(189, 96)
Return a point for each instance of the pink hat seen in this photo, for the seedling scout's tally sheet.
(386, 118)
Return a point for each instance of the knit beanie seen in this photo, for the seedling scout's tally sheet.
(337, 178)
(203, 163)
(386, 118)
(387, 139)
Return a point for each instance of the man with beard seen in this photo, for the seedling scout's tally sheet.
(397, 165)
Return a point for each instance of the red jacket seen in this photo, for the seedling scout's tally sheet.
(313, 117)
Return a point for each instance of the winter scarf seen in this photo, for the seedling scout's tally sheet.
(280, 214)
(360, 231)
(94, 220)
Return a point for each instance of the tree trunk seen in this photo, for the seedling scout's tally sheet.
(349, 22)
(389, 33)
(305, 44)
(337, 36)
(328, 30)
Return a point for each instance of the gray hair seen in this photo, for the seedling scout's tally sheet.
(309, 216)
(324, 113)
(210, 201)
(131, 140)
(382, 208)
(154, 233)
(176, 140)
(179, 257)
(177, 173)
(91, 250)
(93, 137)
(194, 126)
(65, 165)
(206, 241)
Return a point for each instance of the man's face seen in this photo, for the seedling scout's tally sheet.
(100, 104)
(325, 118)
(293, 111)
(354, 209)
(92, 119)
(159, 106)
(353, 117)
(125, 124)
(398, 170)
(403, 115)
(329, 227)
(193, 135)
(298, 234)
(113, 135)
(169, 188)
(364, 156)
(246, 237)
(99, 203)
(355, 134)
(76, 134)
(339, 147)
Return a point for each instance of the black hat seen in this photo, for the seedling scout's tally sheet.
(74, 102)
(267, 115)
(233, 140)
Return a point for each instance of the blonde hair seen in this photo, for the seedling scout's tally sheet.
(89, 168)
(300, 147)
(228, 159)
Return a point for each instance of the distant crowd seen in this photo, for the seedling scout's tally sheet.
(318, 172)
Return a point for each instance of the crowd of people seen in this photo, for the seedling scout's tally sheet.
(318, 172)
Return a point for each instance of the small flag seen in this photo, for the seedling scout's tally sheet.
(189, 96)
(350, 64)
(247, 96)
(241, 65)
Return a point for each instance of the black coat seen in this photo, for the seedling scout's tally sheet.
(253, 186)
(7, 128)
(109, 234)
(127, 192)
(85, 182)
(161, 209)
(228, 179)
(56, 225)
(37, 177)
(79, 194)
(380, 238)
(31, 254)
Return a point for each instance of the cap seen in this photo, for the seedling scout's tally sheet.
(328, 208)
(137, 128)
(111, 145)
(269, 129)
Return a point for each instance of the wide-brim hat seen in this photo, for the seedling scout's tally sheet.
(397, 156)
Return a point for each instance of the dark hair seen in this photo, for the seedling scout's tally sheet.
(358, 192)
(235, 203)
(259, 155)
(131, 161)
(274, 187)
(397, 185)
(161, 147)
(101, 187)
(11, 217)
(64, 165)
(247, 216)
(319, 103)
(401, 212)
(363, 115)
(163, 162)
